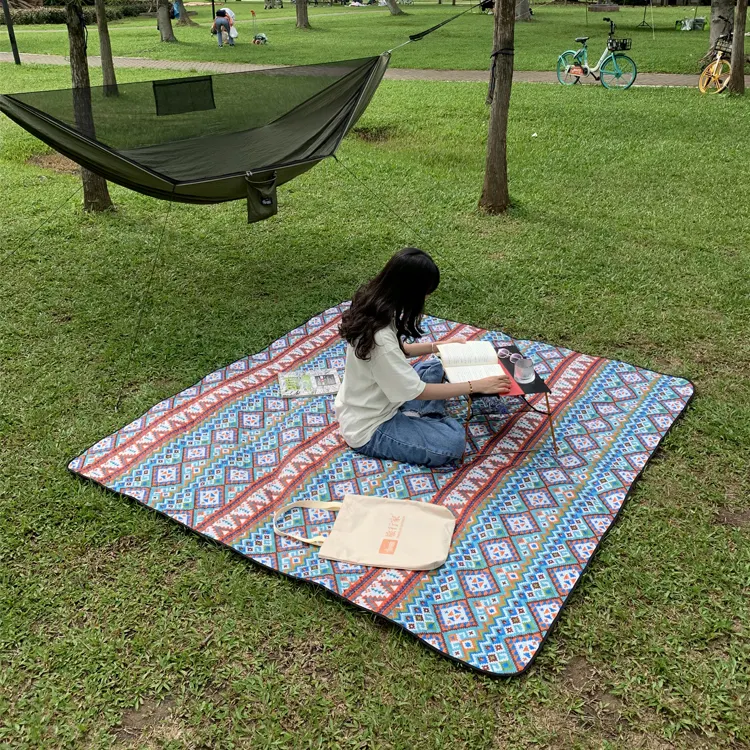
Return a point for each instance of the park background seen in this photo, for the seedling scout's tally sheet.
(628, 238)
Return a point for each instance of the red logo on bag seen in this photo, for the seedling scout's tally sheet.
(392, 533)
(388, 546)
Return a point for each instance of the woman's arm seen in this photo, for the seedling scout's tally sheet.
(496, 385)
(418, 350)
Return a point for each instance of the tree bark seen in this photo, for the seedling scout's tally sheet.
(105, 50)
(523, 10)
(719, 8)
(495, 196)
(11, 33)
(184, 19)
(164, 22)
(394, 8)
(302, 20)
(95, 193)
(737, 75)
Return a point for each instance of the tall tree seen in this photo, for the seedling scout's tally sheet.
(164, 22)
(303, 21)
(95, 193)
(523, 10)
(105, 50)
(719, 9)
(495, 196)
(184, 19)
(394, 9)
(737, 74)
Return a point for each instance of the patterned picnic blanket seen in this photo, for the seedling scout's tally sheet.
(221, 456)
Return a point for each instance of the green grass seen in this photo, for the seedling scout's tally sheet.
(629, 239)
(354, 32)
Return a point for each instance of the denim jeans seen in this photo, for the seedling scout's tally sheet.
(430, 439)
(220, 26)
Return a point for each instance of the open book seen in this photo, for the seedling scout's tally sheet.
(472, 361)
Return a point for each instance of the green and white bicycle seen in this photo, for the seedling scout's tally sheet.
(616, 70)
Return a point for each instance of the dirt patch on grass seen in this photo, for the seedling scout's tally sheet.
(55, 162)
(733, 518)
(151, 720)
(579, 674)
(375, 133)
(603, 709)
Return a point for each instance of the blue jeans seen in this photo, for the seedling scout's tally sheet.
(221, 26)
(431, 439)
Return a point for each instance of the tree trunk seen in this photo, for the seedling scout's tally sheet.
(737, 76)
(719, 8)
(11, 33)
(95, 193)
(523, 10)
(105, 50)
(184, 19)
(495, 197)
(302, 20)
(164, 22)
(394, 9)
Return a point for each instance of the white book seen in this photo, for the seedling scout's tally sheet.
(309, 383)
(471, 361)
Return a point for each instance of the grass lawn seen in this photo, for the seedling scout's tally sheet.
(118, 629)
(342, 33)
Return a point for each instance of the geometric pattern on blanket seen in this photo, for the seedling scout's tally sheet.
(221, 456)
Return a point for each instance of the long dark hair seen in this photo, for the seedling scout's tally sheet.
(396, 295)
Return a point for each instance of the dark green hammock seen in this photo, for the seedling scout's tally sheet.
(206, 139)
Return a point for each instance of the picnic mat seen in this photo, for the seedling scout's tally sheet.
(221, 456)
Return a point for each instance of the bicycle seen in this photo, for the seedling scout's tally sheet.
(616, 71)
(715, 76)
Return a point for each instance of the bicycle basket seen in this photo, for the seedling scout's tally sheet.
(724, 45)
(619, 45)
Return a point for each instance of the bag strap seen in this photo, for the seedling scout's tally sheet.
(316, 540)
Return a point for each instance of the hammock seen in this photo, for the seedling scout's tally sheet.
(209, 139)
(206, 139)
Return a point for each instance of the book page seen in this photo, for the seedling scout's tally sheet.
(471, 353)
(475, 372)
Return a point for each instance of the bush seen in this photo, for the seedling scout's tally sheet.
(56, 14)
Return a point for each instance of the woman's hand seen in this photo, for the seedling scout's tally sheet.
(496, 385)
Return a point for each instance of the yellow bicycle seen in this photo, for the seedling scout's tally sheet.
(715, 76)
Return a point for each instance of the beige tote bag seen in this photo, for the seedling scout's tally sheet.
(381, 532)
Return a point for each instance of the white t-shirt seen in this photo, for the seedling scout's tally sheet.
(229, 12)
(373, 389)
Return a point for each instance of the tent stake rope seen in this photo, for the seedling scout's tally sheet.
(51, 215)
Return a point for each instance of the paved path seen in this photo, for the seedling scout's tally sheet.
(394, 74)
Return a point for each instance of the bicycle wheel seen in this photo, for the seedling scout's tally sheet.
(715, 77)
(564, 64)
(618, 72)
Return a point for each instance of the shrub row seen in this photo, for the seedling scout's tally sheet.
(115, 3)
(54, 14)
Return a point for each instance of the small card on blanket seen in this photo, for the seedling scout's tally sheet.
(309, 383)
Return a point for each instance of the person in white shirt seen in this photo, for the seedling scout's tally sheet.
(385, 407)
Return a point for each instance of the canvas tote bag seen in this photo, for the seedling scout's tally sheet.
(381, 532)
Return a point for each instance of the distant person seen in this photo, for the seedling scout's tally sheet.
(230, 15)
(222, 23)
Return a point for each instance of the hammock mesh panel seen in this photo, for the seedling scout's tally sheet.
(206, 139)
